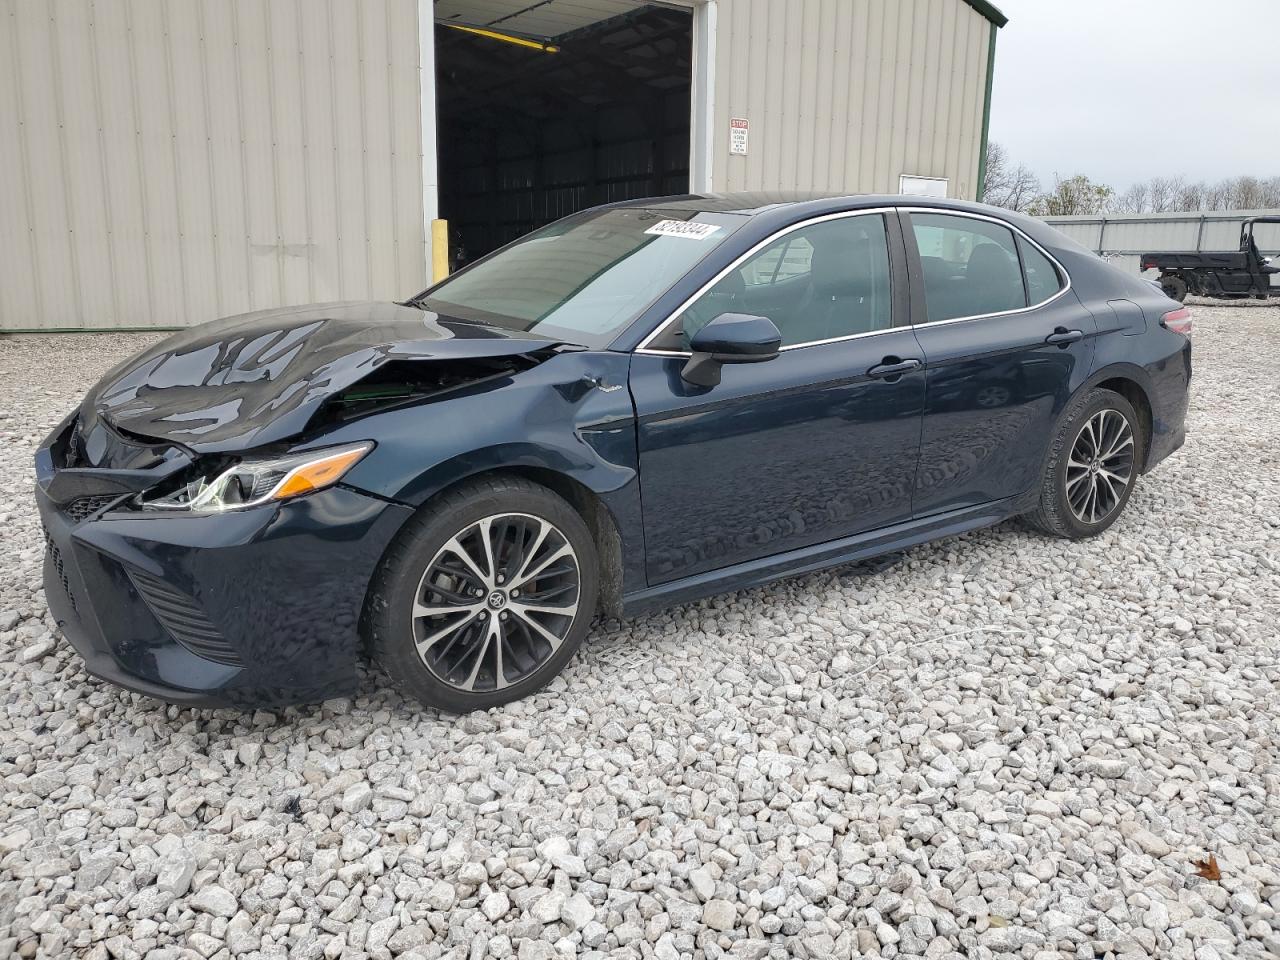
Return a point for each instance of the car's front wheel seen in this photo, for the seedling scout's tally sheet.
(1092, 466)
(485, 595)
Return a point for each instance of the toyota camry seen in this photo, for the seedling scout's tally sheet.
(639, 405)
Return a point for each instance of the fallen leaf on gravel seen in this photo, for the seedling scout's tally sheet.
(1208, 869)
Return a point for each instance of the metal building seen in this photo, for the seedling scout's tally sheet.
(166, 162)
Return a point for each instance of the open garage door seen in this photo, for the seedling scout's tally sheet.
(545, 108)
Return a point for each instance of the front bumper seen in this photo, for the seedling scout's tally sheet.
(249, 608)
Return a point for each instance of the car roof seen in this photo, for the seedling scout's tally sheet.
(772, 210)
(765, 203)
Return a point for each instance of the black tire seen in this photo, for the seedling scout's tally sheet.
(1175, 288)
(426, 539)
(1058, 513)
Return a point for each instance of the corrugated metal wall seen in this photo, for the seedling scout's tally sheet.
(1123, 238)
(847, 95)
(166, 162)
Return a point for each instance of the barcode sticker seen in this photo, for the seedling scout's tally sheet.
(682, 228)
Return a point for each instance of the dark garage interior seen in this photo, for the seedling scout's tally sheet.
(526, 136)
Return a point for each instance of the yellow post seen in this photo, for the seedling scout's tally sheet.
(439, 250)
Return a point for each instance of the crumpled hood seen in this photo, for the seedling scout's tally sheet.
(257, 378)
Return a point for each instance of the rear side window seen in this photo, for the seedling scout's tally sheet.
(1043, 280)
(970, 266)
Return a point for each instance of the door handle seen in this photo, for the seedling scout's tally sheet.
(892, 367)
(1062, 336)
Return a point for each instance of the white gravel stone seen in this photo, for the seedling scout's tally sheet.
(215, 900)
(175, 873)
(999, 745)
(719, 914)
(702, 883)
(357, 797)
(578, 912)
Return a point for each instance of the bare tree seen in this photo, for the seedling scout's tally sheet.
(1191, 196)
(1163, 193)
(1017, 188)
(1004, 185)
(1134, 200)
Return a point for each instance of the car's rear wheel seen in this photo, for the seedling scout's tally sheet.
(1092, 466)
(484, 596)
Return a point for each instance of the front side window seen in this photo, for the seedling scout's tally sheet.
(585, 278)
(820, 282)
(970, 266)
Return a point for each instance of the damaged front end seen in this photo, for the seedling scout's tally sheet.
(201, 546)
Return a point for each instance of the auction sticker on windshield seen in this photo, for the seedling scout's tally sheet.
(682, 228)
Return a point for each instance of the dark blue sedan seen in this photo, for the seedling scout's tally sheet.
(639, 405)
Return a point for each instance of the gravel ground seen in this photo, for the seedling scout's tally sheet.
(999, 745)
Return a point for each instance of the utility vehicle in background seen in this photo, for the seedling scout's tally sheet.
(1228, 275)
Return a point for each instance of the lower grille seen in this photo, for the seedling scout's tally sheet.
(55, 557)
(186, 622)
(82, 508)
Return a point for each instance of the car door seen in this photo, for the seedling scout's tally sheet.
(1005, 346)
(816, 444)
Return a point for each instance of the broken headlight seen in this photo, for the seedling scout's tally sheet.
(250, 483)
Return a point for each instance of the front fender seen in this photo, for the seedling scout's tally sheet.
(559, 415)
(571, 415)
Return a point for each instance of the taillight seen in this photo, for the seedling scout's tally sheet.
(1179, 321)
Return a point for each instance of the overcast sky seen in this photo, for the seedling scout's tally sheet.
(1123, 90)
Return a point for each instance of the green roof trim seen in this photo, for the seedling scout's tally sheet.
(989, 10)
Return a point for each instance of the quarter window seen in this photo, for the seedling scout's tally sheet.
(970, 267)
(820, 282)
(1043, 280)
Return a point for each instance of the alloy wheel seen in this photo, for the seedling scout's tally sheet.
(1100, 467)
(496, 602)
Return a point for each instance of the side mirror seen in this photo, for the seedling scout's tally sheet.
(730, 338)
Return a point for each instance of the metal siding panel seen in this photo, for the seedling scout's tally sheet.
(19, 287)
(348, 103)
(862, 158)
(189, 128)
(976, 79)
(814, 125)
(160, 192)
(844, 95)
(42, 153)
(880, 97)
(72, 25)
(913, 118)
(289, 154)
(1085, 234)
(124, 175)
(933, 92)
(831, 169)
(410, 237)
(944, 70)
(317, 107)
(377, 144)
(253, 76)
(225, 162)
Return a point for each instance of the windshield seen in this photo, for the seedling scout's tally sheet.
(585, 278)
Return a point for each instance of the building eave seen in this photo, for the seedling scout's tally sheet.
(989, 10)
